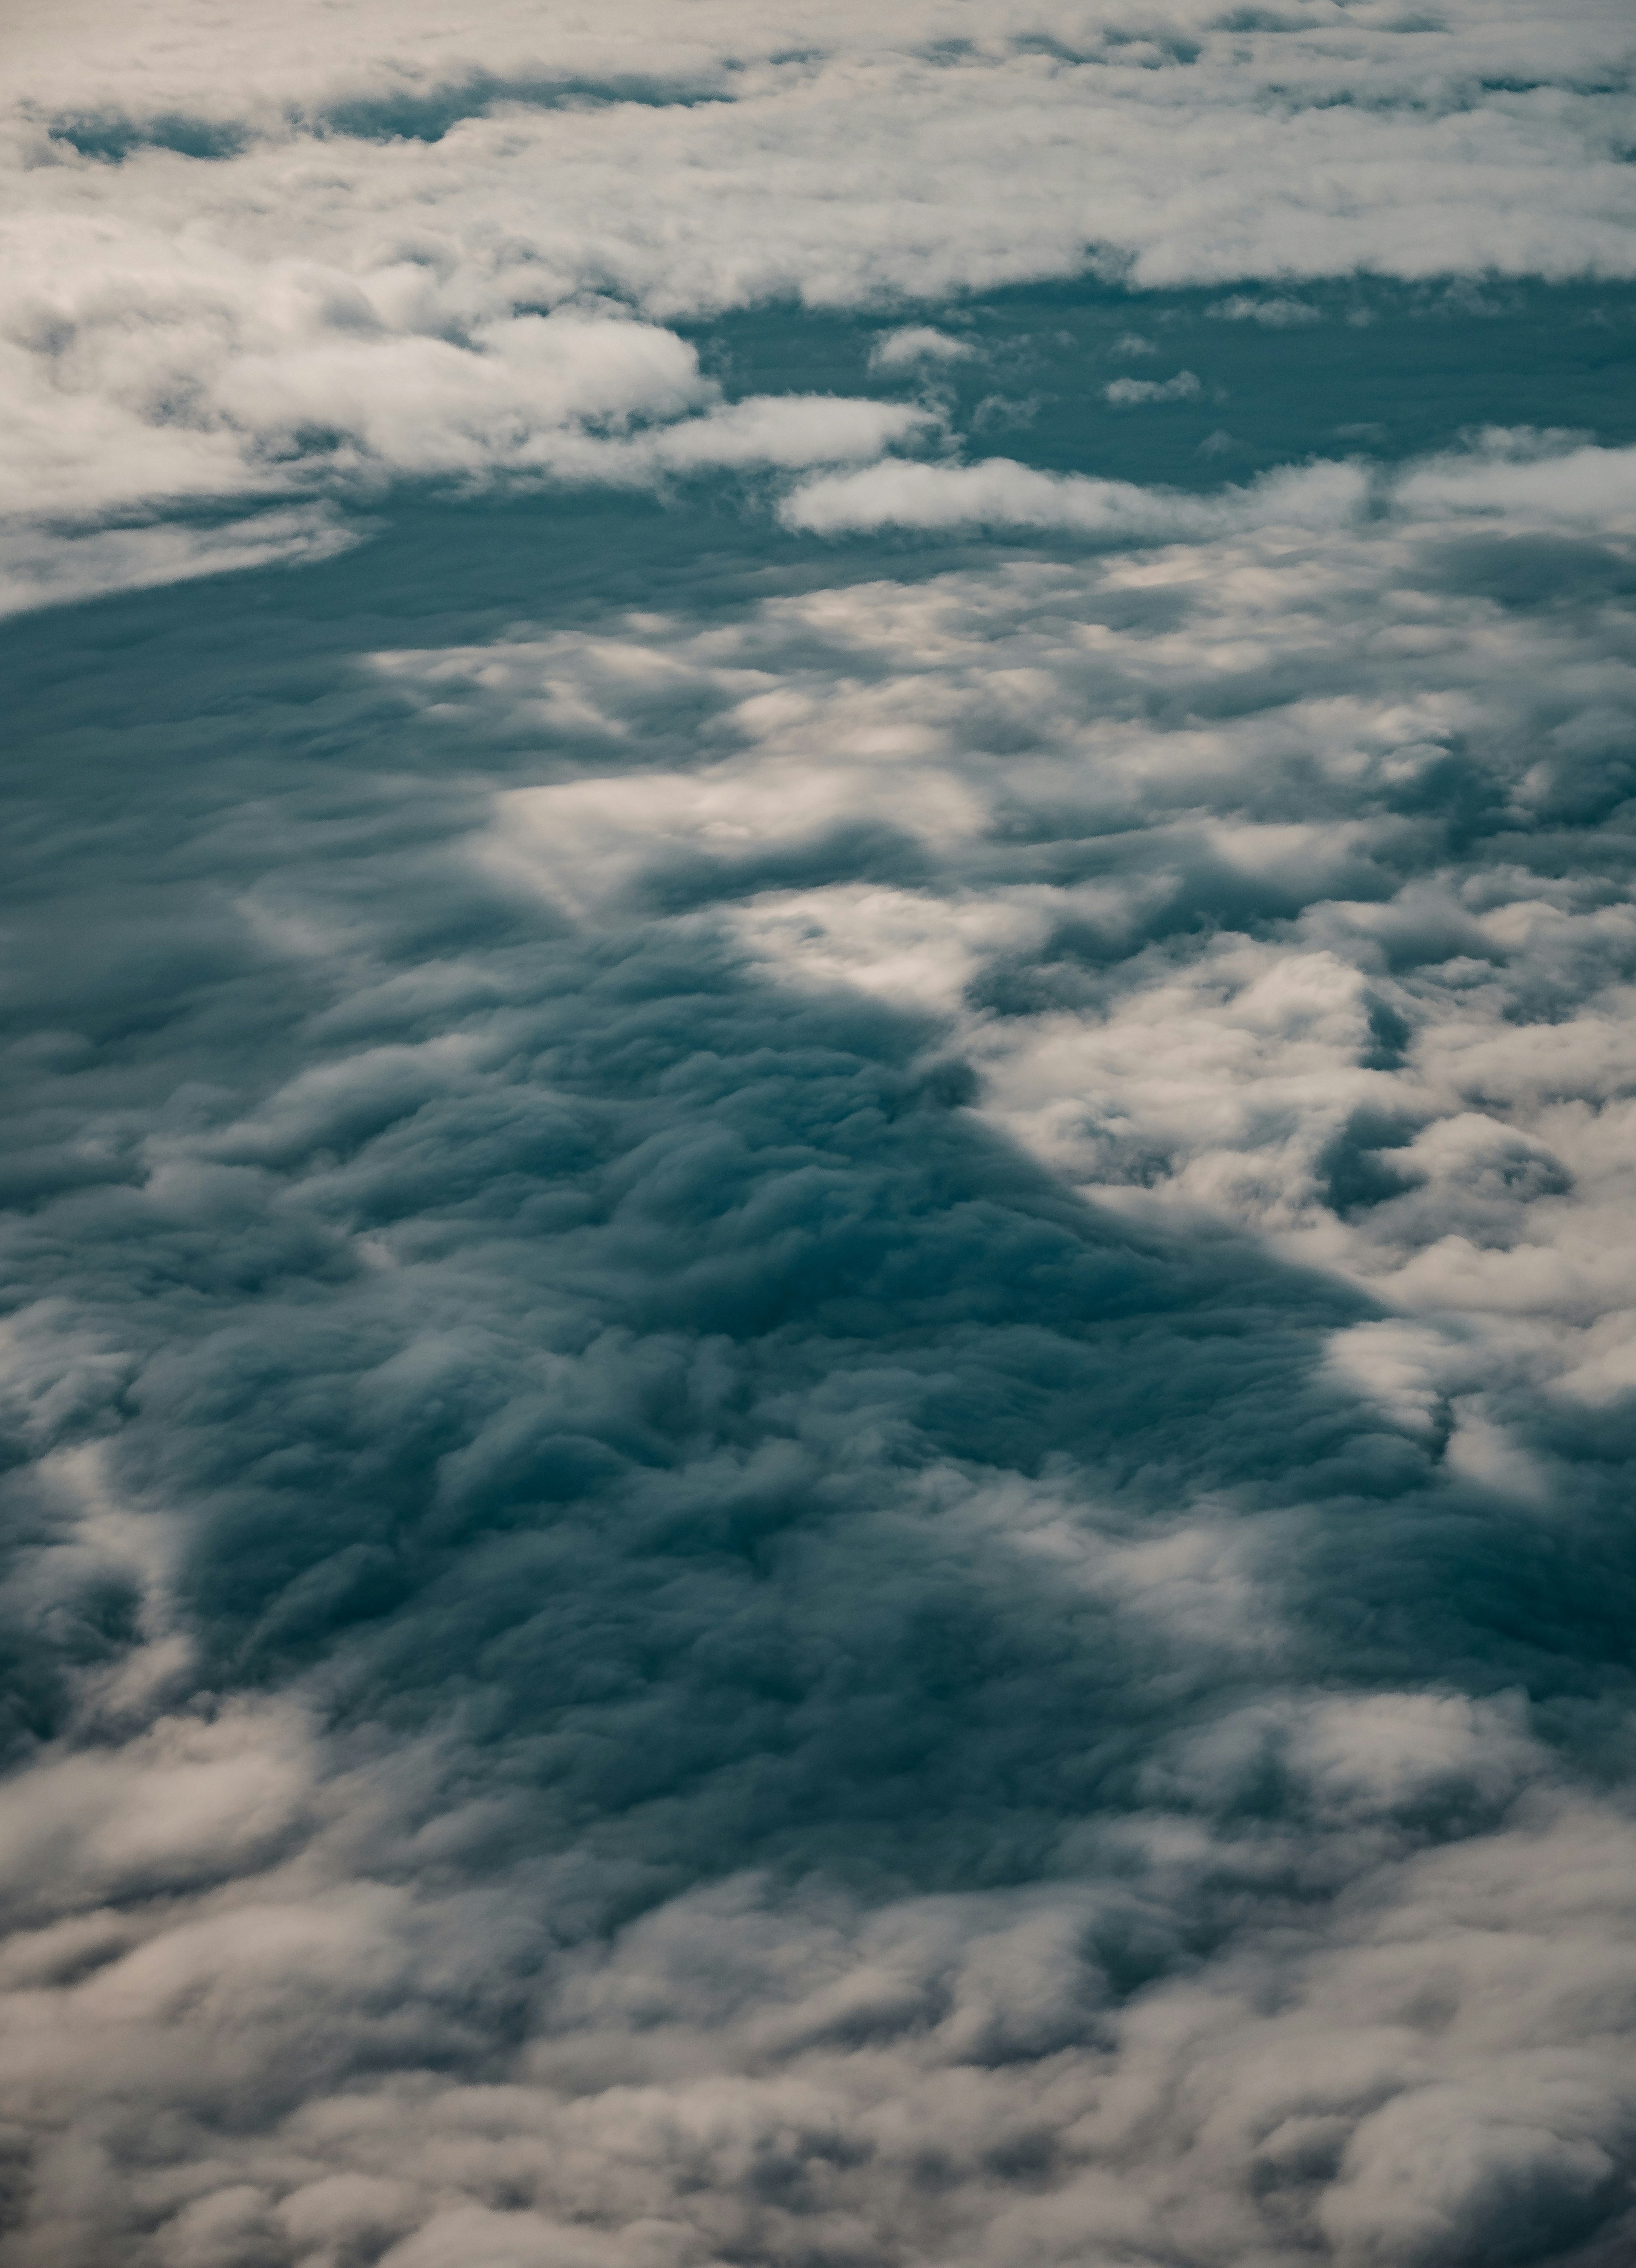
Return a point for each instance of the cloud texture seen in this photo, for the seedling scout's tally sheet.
(260, 257)
(818, 1367)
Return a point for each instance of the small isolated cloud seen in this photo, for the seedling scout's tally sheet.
(1005, 412)
(999, 492)
(917, 342)
(1133, 344)
(787, 430)
(1124, 392)
(1276, 313)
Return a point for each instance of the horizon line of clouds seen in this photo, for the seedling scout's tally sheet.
(285, 77)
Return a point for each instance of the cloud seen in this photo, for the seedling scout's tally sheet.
(43, 569)
(1546, 476)
(999, 493)
(855, 1396)
(1124, 391)
(292, 407)
(347, 247)
(818, 1373)
(1550, 478)
(917, 342)
(1275, 313)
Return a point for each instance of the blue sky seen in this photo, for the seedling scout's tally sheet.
(817, 1360)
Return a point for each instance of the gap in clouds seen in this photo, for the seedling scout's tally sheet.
(1382, 370)
(406, 114)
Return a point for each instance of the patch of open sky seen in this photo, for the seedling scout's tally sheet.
(112, 137)
(1276, 371)
(403, 114)
(412, 116)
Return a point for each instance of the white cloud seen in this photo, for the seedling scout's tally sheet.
(1544, 477)
(285, 396)
(1547, 477)
(999, 493)
(745, 2069)
(915, 344)
(318, 303)
(1126, 391)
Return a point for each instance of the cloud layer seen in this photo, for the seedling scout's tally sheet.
(255, 258)
(817, 1369)
(788, 1680)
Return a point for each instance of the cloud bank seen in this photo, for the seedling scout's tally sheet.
(817, 1368)
(871, 1502)
(252, 258)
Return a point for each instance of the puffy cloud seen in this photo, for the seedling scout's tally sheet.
(307, 387)
(998, 492)
(913, 344)
(1544, 476)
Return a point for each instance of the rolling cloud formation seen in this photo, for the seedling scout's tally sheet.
(819, 1373)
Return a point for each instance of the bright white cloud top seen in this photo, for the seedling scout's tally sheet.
(819, 1375)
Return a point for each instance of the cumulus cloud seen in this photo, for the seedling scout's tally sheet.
(1544, 476)
(1548, 477)
(213, 399)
